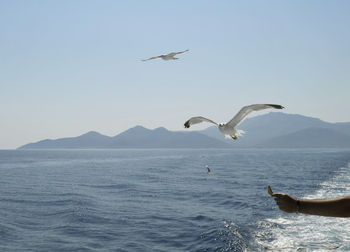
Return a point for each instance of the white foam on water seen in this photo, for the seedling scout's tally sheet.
(298, 232)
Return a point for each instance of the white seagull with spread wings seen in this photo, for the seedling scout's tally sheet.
(170, 56)
(229, 129)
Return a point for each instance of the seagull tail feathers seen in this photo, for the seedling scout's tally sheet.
(240, 133)
(237, 134)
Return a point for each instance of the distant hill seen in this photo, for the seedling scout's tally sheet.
(276, 129)
(310, 138)
(137, 137)
(89, 140)
(140, 137)
(260, 129)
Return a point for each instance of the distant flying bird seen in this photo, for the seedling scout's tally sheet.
(170, 56)
(229, 129)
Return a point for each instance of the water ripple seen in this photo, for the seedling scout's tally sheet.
(164, 200)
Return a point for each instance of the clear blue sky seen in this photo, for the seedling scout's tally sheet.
(68, 67)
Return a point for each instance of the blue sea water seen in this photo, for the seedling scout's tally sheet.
(164, 200)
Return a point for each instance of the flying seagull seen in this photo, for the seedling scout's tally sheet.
(170, 56)
(229, 128)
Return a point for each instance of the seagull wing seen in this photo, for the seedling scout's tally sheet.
(182, 52)
(242, 114)
(197, 119)
(174, 53)
(156, 57)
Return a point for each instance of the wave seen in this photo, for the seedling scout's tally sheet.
(290, 232)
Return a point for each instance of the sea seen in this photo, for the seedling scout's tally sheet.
(165, 200)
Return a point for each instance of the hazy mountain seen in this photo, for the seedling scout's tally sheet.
(140, 137)
(310, 138)
(275, 129)
(262, 128)
(137, 137)
(89, 140)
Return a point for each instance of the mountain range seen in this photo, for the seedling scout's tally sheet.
(272, 130)
(136, 137)
(277, 129)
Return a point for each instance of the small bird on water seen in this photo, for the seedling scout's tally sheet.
(206, 166)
